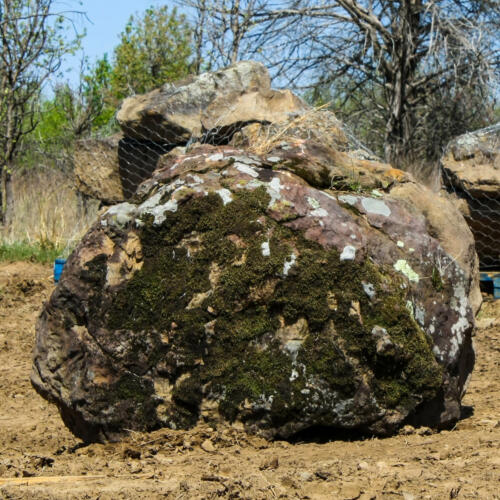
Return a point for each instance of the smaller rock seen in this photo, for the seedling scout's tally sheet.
(408, 496)
(273, 464)
(407, 430)
(305, 476)
(350, 492)
(322, 474)
(131, 453)
(424, 431)
(208, 446)
(363, 466)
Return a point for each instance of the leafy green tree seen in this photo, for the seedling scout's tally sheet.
(72, 112)
(154, 48)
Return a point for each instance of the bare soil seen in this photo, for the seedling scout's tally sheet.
(40, 458)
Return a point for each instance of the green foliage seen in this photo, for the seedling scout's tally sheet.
(71, 113)
(25, 251)
(154, 48)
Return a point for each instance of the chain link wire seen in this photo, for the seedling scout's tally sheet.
(471, 173)
(135, 156)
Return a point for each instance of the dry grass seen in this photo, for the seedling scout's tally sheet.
(46, 212)
(427, 173)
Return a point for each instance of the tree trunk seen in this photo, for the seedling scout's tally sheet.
(7, 197)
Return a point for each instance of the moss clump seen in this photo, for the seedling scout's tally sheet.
(437, 281)
(225, 347)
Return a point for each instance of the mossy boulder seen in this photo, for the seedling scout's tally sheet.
(242, 289)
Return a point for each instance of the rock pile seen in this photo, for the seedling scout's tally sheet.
(471, 172)
(277, 283)
(208, 108)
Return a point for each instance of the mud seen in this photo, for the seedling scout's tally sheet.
(40, 458)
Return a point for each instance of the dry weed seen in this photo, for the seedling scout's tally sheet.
(268, 137)
(46, 211)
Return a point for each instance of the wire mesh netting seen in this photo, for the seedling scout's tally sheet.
(471, 172)
(242, 110)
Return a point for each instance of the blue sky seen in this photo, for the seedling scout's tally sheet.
(106, 20)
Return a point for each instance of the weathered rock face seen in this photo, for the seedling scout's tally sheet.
(471, 171)
(214, 105)
(97, 173)
(111, 169)
(254, 290)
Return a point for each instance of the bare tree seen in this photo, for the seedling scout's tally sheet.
(227, 31)
(32, 44)
(398, 55)
(388, 59)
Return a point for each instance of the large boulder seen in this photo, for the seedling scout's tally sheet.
(273, 292)
(471, 172)
(213, 105)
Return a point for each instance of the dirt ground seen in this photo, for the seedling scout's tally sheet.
(40, 458)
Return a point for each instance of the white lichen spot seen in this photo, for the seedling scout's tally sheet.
(196, 180)
(420, 315)
(349, 199)
(437, 352)
(273, 159)
(246, 159)
(273, 189)
(289, 263)
(266, 250)
(216, 157)
(294, 375)
(369, 289)
(319, 212)
(459, 303)
(353, 237)
(403, 267)
(376, 207)
(377, 193)
(409, 306)
(226, 195)
(246, 169)
(122, 213)
(313, 203)
(400, 244)
(349, 253)
(411, 250)
(159, 211)
(151, 202)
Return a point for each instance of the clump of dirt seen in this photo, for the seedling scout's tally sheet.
(40, 458)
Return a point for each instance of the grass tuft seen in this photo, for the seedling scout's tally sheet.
(32, 252)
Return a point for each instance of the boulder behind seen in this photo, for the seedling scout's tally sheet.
(471, 172)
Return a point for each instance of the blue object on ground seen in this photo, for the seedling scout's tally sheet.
(495, 279)
(58, 267)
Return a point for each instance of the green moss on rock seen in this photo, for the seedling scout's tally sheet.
(226, 348)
